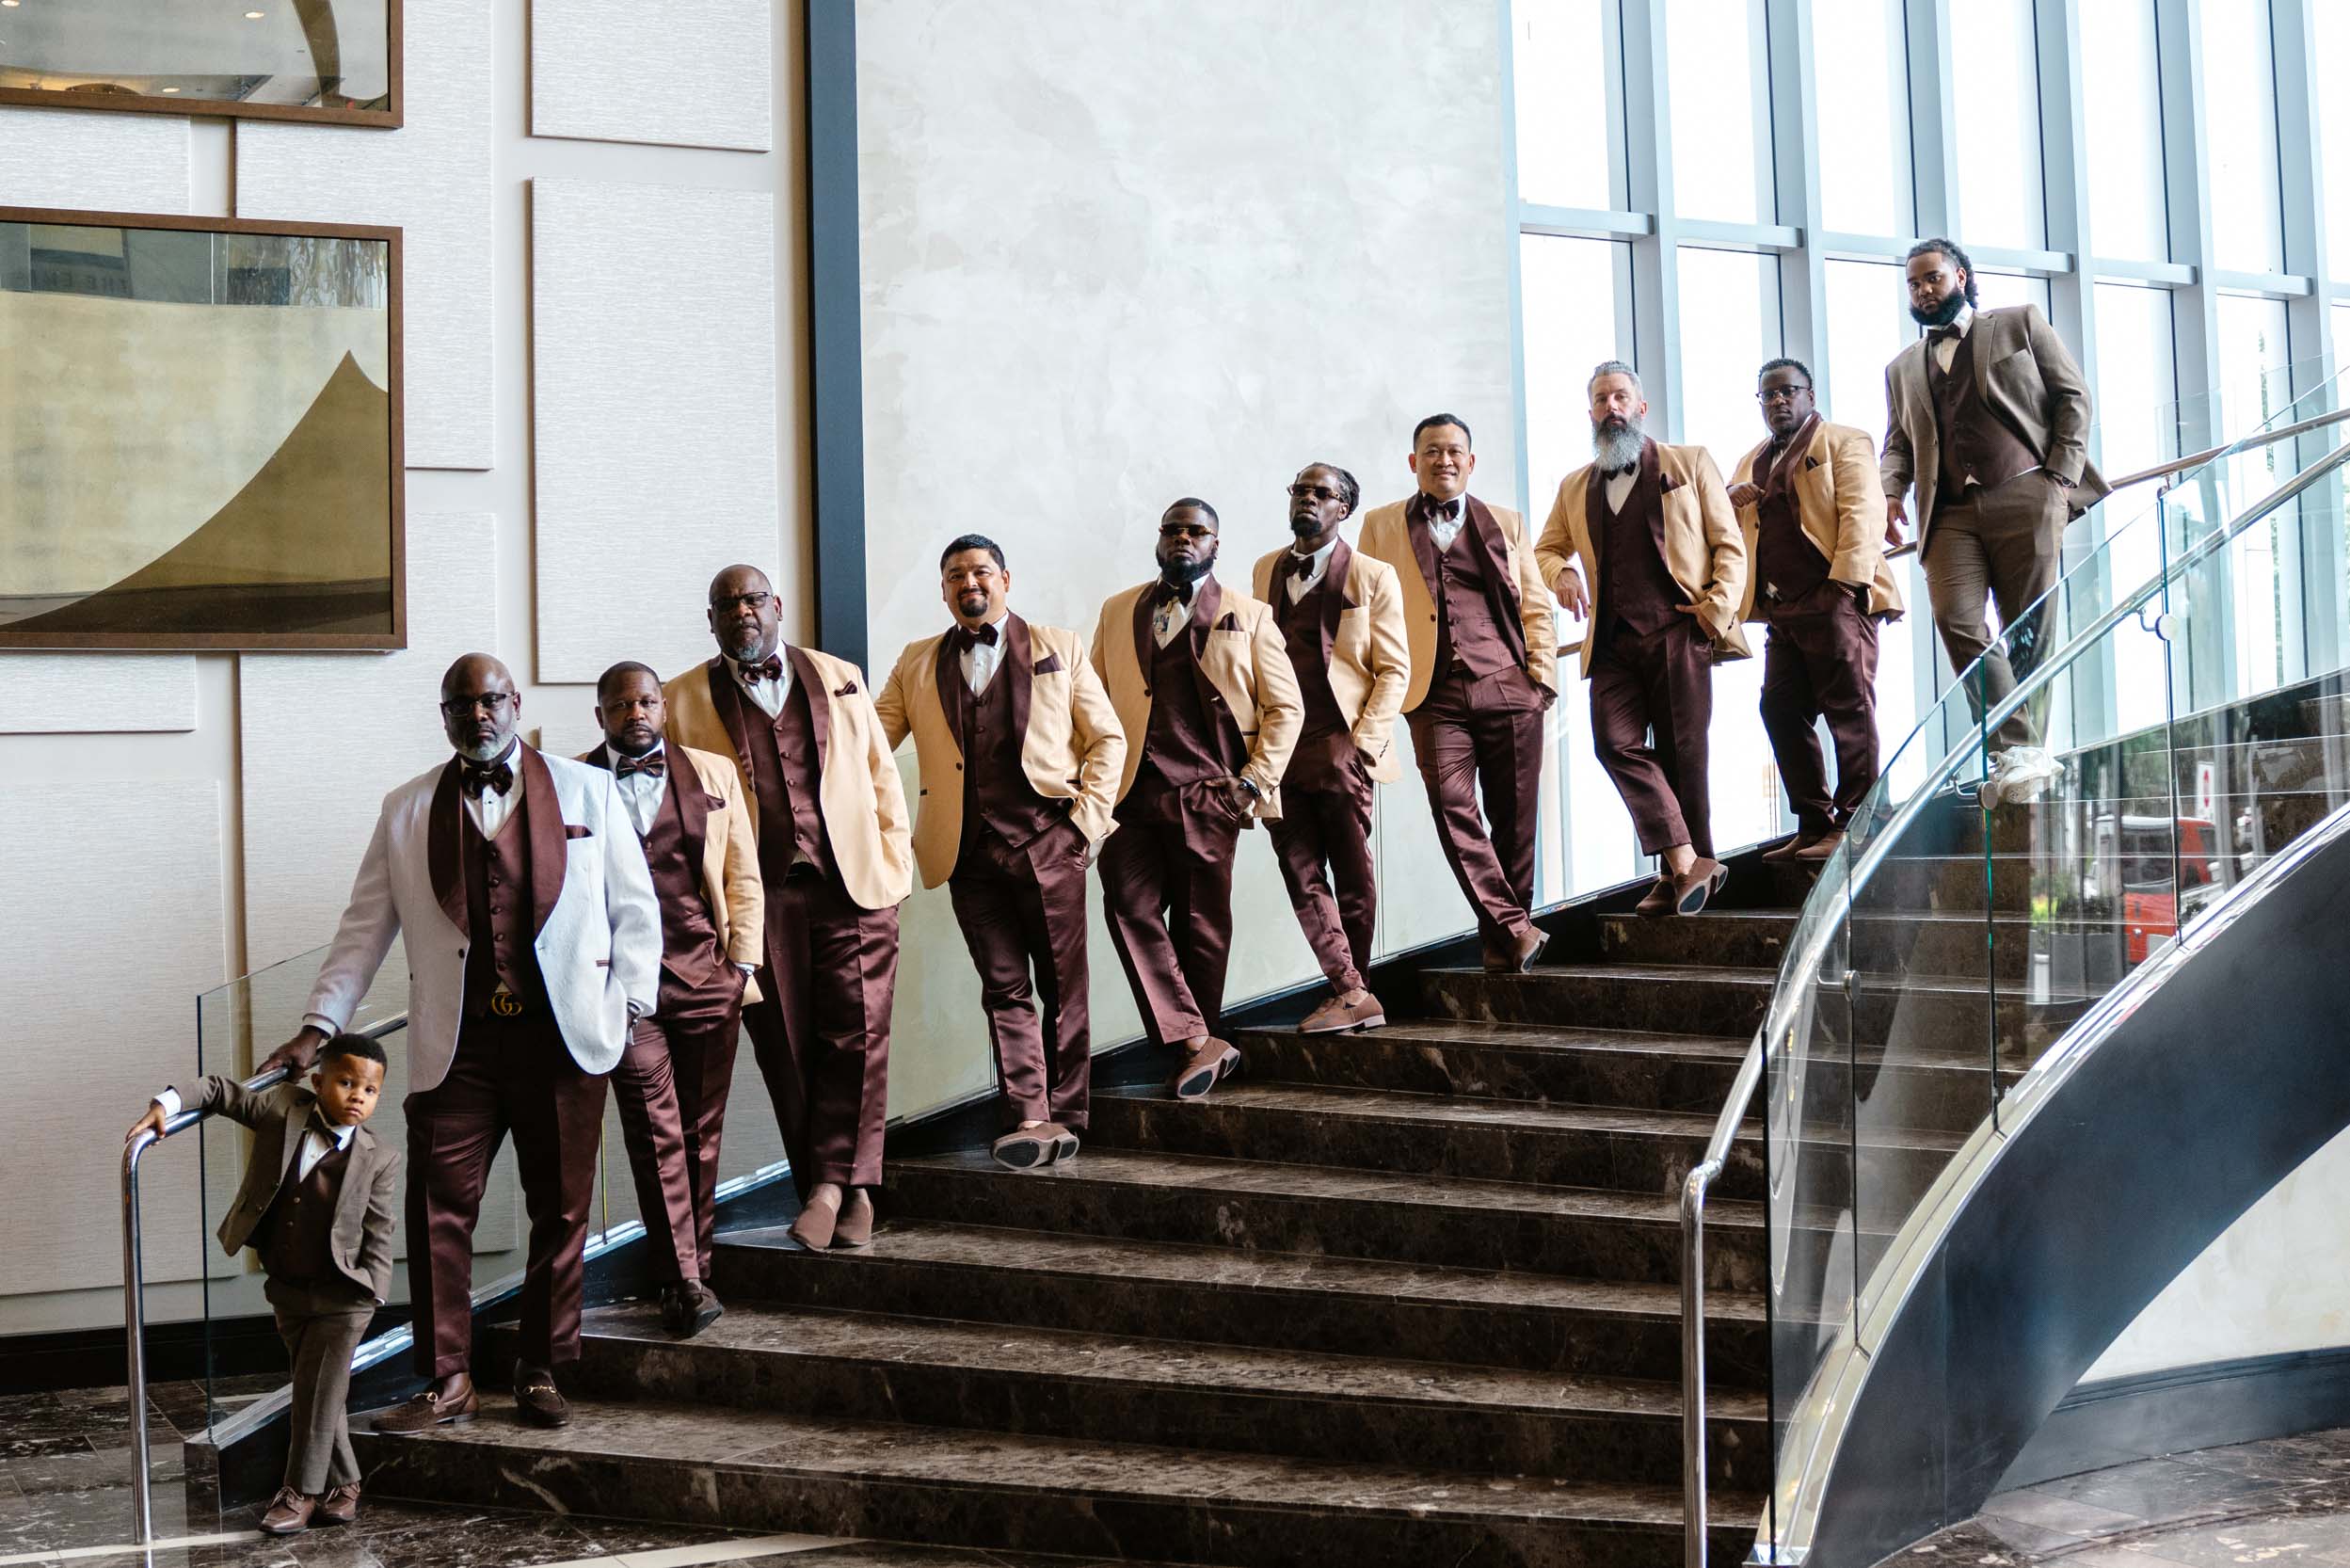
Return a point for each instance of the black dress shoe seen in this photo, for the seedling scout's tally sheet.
(537, 1403)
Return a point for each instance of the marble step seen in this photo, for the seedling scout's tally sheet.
(1261, 1206)
(1952, 943)
(1274, 1301)
(998, 1377)
(1541, 1064)
(760, 1469)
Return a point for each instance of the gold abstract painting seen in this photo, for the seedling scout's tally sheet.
(331, 61)
(199, 423)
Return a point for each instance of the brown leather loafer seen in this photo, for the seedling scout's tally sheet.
(814, 1227)
(1210, 1062)
(1786, 849)
(427, 1410)
(855, 1228)
(339, 1506)
(1032, 1148)
(1523, 950)
(1818, 849)
(288, 1512)
(537, 1399)
(1658, 901)
(1692, 887)
(1339, 1016)
(688, 1307)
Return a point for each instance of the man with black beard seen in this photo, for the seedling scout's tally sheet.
(1211, 710)
(1643, 541)
(1989, 417)
(1341, 614)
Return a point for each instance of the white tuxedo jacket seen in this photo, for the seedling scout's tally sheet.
(599, 946)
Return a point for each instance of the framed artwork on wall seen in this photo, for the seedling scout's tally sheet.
(200, 433)
(336, 61)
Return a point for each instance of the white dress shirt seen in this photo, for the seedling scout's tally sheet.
(981, 660)
(492, 811)
(1618, 488)
(1445, 519)
(1946, 349)
(639, 791)
(317, 1141)
(1176, 614)
(769, 694)
(1307, 567)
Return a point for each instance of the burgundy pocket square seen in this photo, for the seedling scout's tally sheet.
(1230, 623)
(1810, 463)
(1666, 483)
(573, 830)
(848, 690)
(713, 803)
(1048, 664)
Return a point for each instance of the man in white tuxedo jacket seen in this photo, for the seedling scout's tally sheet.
(533, 943)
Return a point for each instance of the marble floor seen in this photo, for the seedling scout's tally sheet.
(65, 1502)
(2283, 1501)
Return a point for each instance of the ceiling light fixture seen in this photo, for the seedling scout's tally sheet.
(253, 16)
(171, 89)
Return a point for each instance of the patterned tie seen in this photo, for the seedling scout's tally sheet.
(477, 776)
(656, 764)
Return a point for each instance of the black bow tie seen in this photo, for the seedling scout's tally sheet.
(1170, 593)
(1620, 472)
(966, 639)
(477, 776)
(656, 764)
(1442, 511)
(771, 669)
(1944, 334)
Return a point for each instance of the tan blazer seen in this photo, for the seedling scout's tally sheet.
(2026, 376)
(1246, 662)
(1387, 537)
(365, 1206)
(1071, 747)
(862, 802)
(1842, 508)
(1704, 552)
(1366, 649)
(730, 884)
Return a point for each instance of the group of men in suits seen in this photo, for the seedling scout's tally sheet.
(732, 855)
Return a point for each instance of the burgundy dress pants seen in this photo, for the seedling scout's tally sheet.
(1166, 879)
(1821, 660)
(1023, 917)
(1473, 731)
(1322, 840)
(670, 1090)
(1652, 702)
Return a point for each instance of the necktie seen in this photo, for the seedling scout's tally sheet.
(966, 639)
(772, 669)
(478, 776)
(657, 763)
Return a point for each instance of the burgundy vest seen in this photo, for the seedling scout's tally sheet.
(1187, 738)
(498, 910)
(689, 939)
(1302, 627)
(1787, 565)
(1467, 632)
(996, 792)
(786, 777)
(1634, 586)
(295, 1237)
(1977, 448)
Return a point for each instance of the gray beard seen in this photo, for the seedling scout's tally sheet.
(1617, 451)
(489, 751)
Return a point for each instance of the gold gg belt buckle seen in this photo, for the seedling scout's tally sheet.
(505, 1003)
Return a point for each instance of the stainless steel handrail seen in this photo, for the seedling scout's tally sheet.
(1804, 964)
(2248, 443)
(135, 1285)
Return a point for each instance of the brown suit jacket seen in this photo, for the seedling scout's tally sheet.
(1842, 507)
(1246, 662)
(1072, 746)
(1387, 537)
(2026, 377)
(1704, 552)
(365, 1207)
(862, 802)
(730, 884)
(1365, 649)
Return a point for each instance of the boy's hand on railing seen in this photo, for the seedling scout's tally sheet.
(151, 1122)
(296, 1054)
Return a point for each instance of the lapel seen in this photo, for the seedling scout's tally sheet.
(1208, 602)
(1423, 545)
(1594, 509)
(290, 1138)
(1501, 588)
(1977, 362)
(818, 704)
(542, 815)
(1019, 666)
(358, 1178)
(692, 804)
(1653, 477)
(1146, 645)
(947, 669)
(727, 696)
(1334, 600)
(441, 847)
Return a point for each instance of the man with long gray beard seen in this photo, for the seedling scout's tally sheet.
(1643, 542)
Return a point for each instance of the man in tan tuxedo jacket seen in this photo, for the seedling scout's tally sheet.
(1202, 689)
(1646, 533)
(834, 860)
(671, 1085)
(1020, 754)
(1988, 417)
(1811, 510)
(1483, 638)
(1341, 614)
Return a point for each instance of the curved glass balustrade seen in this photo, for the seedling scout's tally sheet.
(2198, 724)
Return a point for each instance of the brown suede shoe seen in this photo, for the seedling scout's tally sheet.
(1692, 887)
(688, 1307)
(1658, 901)
(1820, 849)
(1339, 1016)
(537, 1403)
(855, 1228)
(1786, 849)
(426, 1411)
(339, 1506)
(814, 1227)
(1526, 948)
(1032, 1148)
(288, 1512)
(1210, 1062)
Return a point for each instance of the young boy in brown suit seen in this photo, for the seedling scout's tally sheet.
(317, 1203)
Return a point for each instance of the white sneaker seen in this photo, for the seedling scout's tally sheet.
(2025, 773)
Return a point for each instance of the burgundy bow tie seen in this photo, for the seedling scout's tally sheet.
(1441, 511)
(656, 764)
(966, 639)
(772, 669)
(1620, 472)
(1944, 334)
(1167, 593)
(478, 776)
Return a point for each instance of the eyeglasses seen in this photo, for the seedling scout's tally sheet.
(752, 601)
(1183, 530)
(494, 703)
(1780, 394)
(1311, 492)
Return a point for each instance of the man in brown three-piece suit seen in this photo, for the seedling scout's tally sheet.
(1021, 753)
(1988, 417)
(1202, 689)
(1810, 508)
(1341, 614)
(1484, 670)
(1647, 532)
(670, 1087)
(833, 857)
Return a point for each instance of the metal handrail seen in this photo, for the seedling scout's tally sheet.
(2248, 443)
(134, 1284)
(1804, 964)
